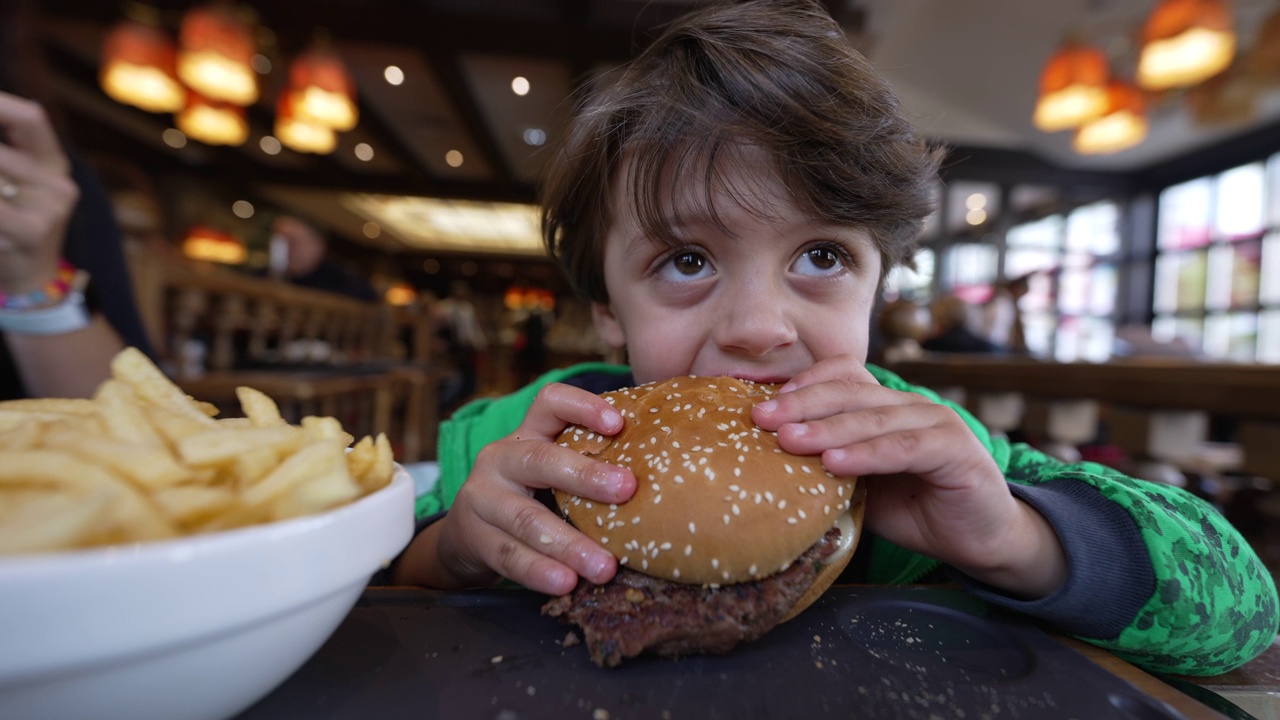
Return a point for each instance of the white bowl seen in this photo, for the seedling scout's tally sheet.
(196, 628)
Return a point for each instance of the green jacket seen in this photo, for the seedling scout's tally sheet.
(1214, 606)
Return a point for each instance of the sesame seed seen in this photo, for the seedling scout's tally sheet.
(726, 519)
(822, 488)
(644, 564)
(678, 480)
(806, 470)
(736, 511)
(692, 529)
(742, 495)
(768, 496)
(688, 550)
(788, 468)
(782, 504)
(675, 573)
(715, 563)
(657, 499)
(791, 521)
(801, 514)
(635, 520)
(655, 487)
(599, 522)
(604, 540)
(624, 560)
(725, 574)
(752, 570)
(676, 445)
(737, 472)
(734, 488)
(665, 546)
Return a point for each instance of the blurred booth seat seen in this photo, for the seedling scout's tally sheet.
(368, 364)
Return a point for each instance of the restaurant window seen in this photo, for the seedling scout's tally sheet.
(1068, 311)
(1217, 260)
(904, 282)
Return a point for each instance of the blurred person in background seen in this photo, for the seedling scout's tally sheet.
(66, 302)
(1002, 318)
(464, 340)
(951, 332)
(300, 255)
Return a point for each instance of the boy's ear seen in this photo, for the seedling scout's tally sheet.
(608, 326)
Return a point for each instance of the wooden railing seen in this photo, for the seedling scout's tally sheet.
(314, 352)
(1158, 409)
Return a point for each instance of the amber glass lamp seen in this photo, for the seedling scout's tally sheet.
(209, 245)
(215, 55)
(213, 122)
(1122, 125)
(1185, 42)
(325, 93)
(138, 68)
(1073, 88)
(298, 133)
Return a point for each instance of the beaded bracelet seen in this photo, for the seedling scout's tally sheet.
(53, 291)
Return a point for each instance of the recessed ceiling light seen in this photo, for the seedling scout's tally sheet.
(519, 85)
(454, 158)
(242, 209)
(269, 144)
(534, 136)
(976, 201)
(976, 216)
(393, 74)
(174, 138)
(364, 151)
(372, 230)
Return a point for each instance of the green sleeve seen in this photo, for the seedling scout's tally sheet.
(1214, 606)
(481, 422)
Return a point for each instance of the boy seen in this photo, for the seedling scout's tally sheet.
(730, 207)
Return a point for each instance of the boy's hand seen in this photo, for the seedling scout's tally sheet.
(931, 485)
(496, 528)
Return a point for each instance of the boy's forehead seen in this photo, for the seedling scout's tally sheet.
(684, 192)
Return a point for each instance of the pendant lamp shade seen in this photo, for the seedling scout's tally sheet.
(298, 133)
(212, 122)
(138, 68)
(324, 91)
(1185, 42)
(216, 53)
(1073, 88)
(1123, 125)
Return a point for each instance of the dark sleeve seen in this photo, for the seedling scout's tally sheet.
(93, 243)
(1109, 574)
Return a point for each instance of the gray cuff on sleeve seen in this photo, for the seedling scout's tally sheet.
(1109, 573)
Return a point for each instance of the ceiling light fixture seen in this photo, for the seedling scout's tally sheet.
(326, 94)
(520, 85)
(212, 122)
(299, 133)
(453, 158)
(139, 68)
(1123, 125)
(215, 54)
(1073, 87)
(393, 75)
(364, 151)
(1185, 42)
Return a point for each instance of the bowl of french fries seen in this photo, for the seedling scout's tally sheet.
(157, 561)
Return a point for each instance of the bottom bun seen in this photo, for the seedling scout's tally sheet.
(850, 524)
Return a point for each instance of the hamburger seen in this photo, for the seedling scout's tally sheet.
(727, 534)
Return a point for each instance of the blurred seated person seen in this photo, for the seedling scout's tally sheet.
(951, 332)
(1002, 318)
(903, 324)
(66, 302)
(303, 253)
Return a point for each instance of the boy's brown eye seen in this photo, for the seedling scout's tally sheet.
(823, 258)
(688, 263)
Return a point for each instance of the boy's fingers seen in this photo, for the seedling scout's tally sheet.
(545, 465)
(858, 426)
(29, 130)
(529, 536)
(844, 367)
(827, 399)
(558, 405)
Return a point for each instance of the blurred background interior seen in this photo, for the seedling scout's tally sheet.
(1111, 196)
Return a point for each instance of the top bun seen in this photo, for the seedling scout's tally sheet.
(717, 500)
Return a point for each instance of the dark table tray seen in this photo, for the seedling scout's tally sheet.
(859, 652)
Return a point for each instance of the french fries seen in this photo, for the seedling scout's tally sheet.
(143, 461)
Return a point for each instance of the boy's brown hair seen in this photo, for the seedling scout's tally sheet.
(777, 75)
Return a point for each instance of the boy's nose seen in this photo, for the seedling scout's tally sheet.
(754, 321)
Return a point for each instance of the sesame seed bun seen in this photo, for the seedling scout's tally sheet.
(717, 500)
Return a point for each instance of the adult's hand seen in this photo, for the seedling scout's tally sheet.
(37, 196)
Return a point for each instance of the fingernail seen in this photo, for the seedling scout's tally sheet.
(799, 429)
(787, 388)
(611, 479)
(768, 406)
(598, 564)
